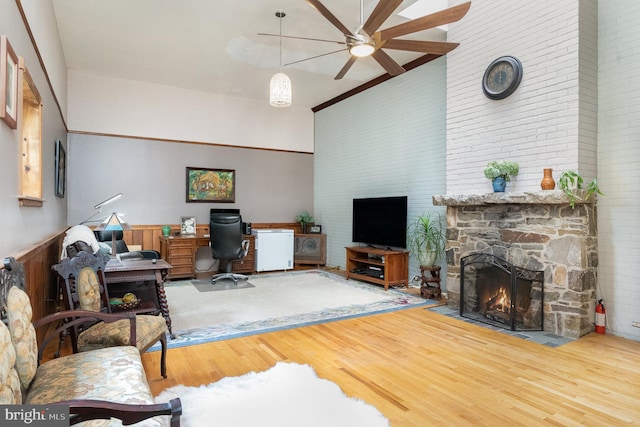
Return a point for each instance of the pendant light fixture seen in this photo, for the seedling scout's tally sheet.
(280, 86)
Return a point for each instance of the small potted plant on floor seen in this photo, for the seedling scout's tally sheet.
(571, 182)
(500, 173)
(427, 238)
(304, 218)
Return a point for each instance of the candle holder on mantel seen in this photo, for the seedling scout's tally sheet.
(547, 182)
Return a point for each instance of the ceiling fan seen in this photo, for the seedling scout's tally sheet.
(366, 40)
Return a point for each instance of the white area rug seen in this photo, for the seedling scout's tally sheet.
(286, 395)
(277, 301)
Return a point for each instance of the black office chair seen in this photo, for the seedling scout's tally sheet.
(122, 248)
(227, 244)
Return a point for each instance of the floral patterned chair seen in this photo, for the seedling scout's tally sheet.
(85, 290)
(97, 385)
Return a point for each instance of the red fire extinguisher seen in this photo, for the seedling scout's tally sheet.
(600, 318)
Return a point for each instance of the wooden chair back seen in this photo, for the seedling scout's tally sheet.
(84, 285)
(84, 280)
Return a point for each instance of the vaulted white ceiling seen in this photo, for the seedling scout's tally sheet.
(214, 46)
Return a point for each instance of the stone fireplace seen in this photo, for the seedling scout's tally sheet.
(536, 231)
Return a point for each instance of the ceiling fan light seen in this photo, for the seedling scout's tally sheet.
(280, 90)
(361, 49)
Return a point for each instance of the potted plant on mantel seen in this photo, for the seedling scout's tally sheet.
(304, 218)
(426, 238)
(571, 181)
(500, 173)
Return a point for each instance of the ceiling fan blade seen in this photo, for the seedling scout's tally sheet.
(301, 38)
(436, 48)
(388, 63)
(314, 57)
(443, 17)
(330, 16)
(380, 14)
(343, 71)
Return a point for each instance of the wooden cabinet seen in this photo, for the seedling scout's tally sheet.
(180, 252)
(384, 267)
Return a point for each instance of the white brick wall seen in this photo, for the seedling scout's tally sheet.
(387, 141)
(539, 125)
(619, 164)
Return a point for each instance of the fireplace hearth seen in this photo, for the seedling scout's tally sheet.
(538, 231)
(496, 292)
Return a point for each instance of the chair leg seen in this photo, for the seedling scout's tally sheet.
(233, 276)
(163, 356)
(228, 274)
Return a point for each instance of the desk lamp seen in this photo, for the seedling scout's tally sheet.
(100, 205)
(113, 223)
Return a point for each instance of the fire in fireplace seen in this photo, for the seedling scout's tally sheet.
(499, 293)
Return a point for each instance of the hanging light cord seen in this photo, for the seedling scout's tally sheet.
(280, 18)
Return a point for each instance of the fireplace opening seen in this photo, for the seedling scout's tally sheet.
(496, 292)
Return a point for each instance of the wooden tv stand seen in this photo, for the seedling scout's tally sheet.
(393, 265)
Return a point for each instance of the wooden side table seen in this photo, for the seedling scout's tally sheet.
(426, 289)
(143, 270)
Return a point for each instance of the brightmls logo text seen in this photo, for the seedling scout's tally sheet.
(35, 415)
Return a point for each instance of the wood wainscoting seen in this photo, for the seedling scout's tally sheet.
(42, 282)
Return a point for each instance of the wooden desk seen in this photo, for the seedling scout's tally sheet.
(137, 270)
(180, 252)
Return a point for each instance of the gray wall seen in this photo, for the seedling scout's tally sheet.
(387, 141)
(28, 226)
(271, 186)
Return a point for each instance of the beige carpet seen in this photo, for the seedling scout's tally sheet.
(276, 301)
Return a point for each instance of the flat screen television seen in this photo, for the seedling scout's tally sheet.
(380, 221)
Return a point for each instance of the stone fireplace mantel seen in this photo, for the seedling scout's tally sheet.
(534, 230)
(553, 197)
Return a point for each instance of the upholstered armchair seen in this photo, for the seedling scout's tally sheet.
(85, 290)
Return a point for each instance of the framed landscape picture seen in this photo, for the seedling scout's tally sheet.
(211, 185)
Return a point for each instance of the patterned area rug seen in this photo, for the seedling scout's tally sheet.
(276, 301)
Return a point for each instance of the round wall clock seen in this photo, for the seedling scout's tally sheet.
(502, 77)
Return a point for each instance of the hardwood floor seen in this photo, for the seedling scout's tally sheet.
(421, 368)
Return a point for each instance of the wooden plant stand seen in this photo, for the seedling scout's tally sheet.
(427, 290)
